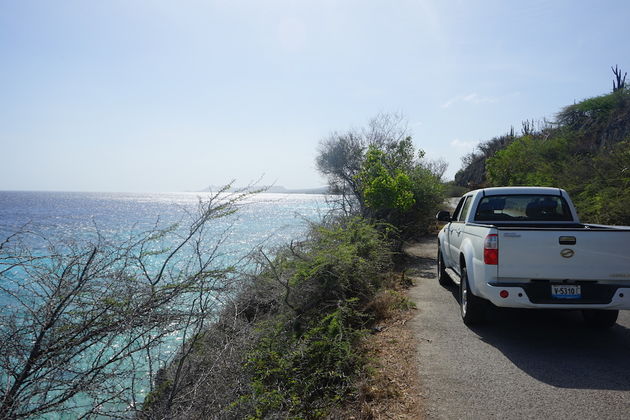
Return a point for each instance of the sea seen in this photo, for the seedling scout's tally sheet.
(276, 218)
(263, 220)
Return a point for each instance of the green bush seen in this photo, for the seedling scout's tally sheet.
(529, 161)
(304, 376)
(382, 188)
(600, 185)
(305, 359)
(345, 260)
(428, 193)
(398, 190)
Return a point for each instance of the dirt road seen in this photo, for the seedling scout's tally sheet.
(522, 364)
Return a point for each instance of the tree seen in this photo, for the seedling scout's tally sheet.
(380, 175)
(83, 322)
(384, 189)
(341, 155)
(339, 159)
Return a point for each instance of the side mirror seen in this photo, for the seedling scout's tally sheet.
(443, 216)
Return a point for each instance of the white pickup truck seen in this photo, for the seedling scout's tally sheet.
(524, 247)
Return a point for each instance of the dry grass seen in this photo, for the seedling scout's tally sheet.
(388, 303)
(391, 386)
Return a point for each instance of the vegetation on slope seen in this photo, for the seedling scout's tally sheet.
(586, 151)
(289, 345)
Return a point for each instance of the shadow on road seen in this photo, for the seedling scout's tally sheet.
(557, 348)
(552, 346)
(420, 266)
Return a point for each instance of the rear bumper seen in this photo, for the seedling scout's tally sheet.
(528, 295)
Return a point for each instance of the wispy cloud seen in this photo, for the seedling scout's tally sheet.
(472, 98)
(462, 145)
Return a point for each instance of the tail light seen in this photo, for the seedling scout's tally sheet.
(491, 249)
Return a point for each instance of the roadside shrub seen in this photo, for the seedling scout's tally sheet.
(343, 261)
(428, 193)
(287, 345)
(306, 360)
(303, 377)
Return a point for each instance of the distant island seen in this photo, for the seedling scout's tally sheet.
(277, 189)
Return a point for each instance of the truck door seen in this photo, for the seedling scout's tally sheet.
(456, 230)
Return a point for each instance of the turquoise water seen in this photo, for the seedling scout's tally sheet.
(263, 220)
(279, 217)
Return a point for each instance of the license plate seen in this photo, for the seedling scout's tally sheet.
(566, 291)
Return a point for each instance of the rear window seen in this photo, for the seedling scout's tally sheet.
(523, 208)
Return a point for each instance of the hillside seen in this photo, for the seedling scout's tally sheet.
(586, 151)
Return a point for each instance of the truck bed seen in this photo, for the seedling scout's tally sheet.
(580, 252)
(553, 226)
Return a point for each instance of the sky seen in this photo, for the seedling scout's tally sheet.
(150, 95)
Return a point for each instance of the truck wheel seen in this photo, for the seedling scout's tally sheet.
(473, 308)
(443, 278)
(600, 318)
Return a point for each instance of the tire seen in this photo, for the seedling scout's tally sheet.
(443, 278)
(473, 308)
(600, 318)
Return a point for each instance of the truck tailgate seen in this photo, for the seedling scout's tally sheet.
(551, 254)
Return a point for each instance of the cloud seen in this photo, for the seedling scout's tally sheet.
(472, 98)
(461, 145)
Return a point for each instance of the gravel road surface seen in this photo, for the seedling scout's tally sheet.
(522, 364)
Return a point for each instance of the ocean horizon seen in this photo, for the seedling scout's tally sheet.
(72, 213)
